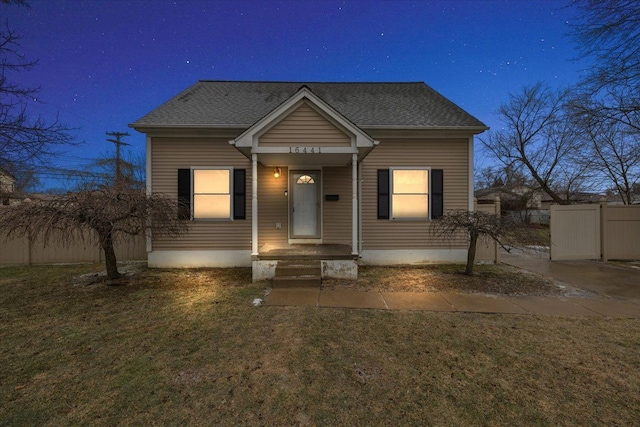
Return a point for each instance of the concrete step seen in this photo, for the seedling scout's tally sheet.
(297, 273)
(299, 262)
(297, 270)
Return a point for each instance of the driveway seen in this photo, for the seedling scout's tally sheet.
(599, 277)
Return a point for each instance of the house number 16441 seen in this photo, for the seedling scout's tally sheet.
(304, 150)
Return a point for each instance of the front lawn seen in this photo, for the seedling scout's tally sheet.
(187, 347)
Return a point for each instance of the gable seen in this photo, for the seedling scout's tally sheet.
(331, 121)
(305, 126)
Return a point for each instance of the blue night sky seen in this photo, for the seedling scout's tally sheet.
(104, 64)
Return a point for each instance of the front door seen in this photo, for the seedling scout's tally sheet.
(305, 204)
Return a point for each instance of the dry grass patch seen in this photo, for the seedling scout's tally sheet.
(487, 279)
(187, 347)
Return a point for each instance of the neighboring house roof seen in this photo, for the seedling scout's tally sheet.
(577, 197)
(7, 175)
(517, 190)
(369, 105)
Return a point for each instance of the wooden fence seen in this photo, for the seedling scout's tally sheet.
(23, 251)
(597, 231)
(488, 250)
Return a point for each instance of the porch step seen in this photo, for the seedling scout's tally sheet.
(297, 274)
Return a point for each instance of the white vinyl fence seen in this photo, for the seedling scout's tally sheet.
(595, 231)
(488, 250)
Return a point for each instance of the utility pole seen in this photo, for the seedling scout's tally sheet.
(118, 143)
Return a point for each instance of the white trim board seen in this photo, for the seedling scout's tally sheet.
(412, 256)
(199, 258)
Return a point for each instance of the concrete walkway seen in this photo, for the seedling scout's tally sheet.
(619, 289)
(599, 277)
(454, 302)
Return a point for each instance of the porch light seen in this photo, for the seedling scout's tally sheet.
(276, 173)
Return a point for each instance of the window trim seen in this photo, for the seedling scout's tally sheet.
(391, 193)
(230, 193)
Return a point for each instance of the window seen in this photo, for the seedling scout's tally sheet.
(207, 193)
(415, 193)
(306, 179)
(212, 193)
(410, 193)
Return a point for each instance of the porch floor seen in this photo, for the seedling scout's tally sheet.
(305, 251)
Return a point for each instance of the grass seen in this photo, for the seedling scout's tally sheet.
(533, 235)
(487, 279)
(187, 347)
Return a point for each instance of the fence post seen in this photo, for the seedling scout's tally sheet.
(29, 244)
(496, 246)
(603, 228)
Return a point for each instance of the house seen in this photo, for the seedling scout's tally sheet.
(521, 196)
(7, 186)
(521, 202)
(346, 172)
(7, 182)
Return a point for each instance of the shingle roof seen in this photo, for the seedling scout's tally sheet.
(241, 104)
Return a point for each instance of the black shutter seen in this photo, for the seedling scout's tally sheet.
(383, 193)
(184, 193)
(437, 201)
(239, 194)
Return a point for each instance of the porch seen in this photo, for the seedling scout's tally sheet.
(301, 265)
(305, 251)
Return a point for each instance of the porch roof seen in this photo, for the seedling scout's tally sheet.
(238, 104)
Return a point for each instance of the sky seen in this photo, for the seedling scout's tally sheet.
(104, 64)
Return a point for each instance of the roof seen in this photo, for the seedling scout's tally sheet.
(7, 174)
(242, 103)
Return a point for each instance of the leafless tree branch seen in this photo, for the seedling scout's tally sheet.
(25, 141)
(109, 214)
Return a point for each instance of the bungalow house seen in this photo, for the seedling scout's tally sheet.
(344, 173)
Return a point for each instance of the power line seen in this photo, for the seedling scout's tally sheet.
(118, 143)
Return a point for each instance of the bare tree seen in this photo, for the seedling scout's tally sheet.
(501, 176)
(606, 105)
(474, 225)
(518, 193)
(608, 32)
(106, 214)
(17, 2)
(128, 170)
(613, 152)
(538, 137)
(26, 142)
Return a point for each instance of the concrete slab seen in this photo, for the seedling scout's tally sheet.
(293, 296)
(552, 306)
(610, 308)
(351, 299)
(482, 303)
(416, 301)
(599, 277)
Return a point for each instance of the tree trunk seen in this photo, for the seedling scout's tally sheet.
(471, 253)
(110, 258)
(544, 185)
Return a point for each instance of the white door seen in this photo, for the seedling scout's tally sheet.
(305, 204)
